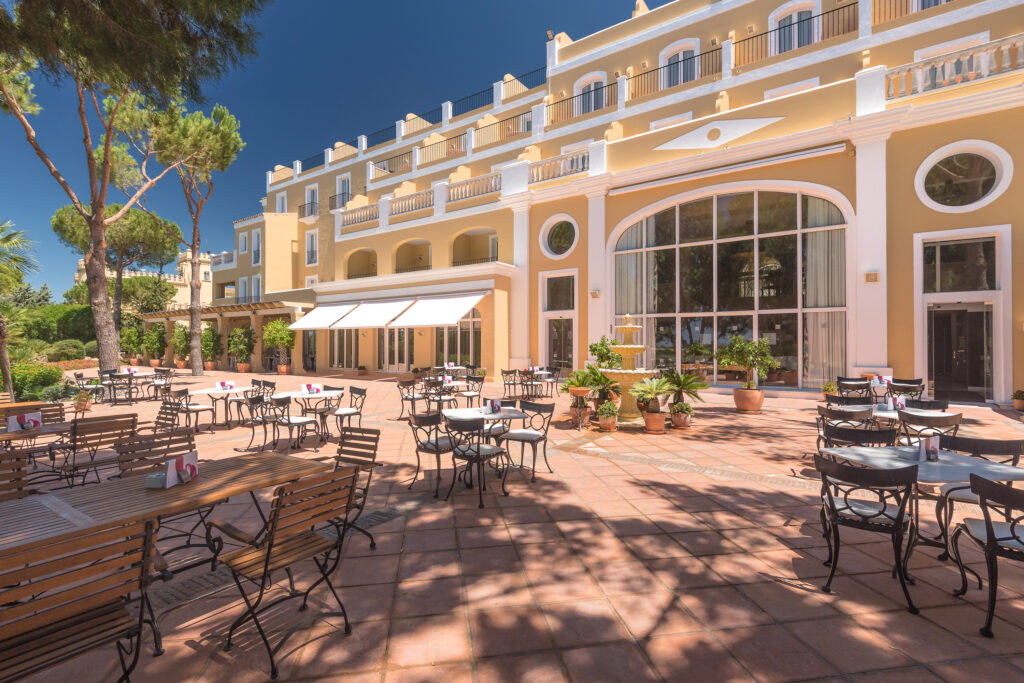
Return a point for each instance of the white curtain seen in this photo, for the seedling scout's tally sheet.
(819, 213)
(825, 269)
(824, 347)
(629, 283)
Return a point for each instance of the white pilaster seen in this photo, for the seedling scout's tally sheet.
(440, 188)
(399, 130)
(296, 167)
(415, 158)
(384, 211)
(515, 178)
(598, 152)
(597, 277)
(470, 139)
(868, 310)
(446, 113)
(623, 84)
(499, 92)
(864, 18)
(369, 172)
(727, 58)
(328, 156)
(361, 144)
(538, 119)
(870, 89)
(519, 304)
(270, 178)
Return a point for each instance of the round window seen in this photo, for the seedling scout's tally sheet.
(960, 179)
(561, 237)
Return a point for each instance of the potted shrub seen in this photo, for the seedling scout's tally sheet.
(181, 341)
(1018, 400)
(577, 385)
(131, 344)
(241, 342)
(603, 388)
(829, 389)
(212, 346)
(648, 393)
(277, 334)
(603, 353)
(154, 342)
(607, 414)
(360, 369)
(755, 360)
(682, 413)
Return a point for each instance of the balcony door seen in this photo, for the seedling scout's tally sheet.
(795, 30)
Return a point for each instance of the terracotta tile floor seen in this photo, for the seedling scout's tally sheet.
(695, 555)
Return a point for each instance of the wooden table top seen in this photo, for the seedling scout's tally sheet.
(121, 501)
(45, 430)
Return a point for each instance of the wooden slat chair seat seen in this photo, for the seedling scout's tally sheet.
(307, 523)
(62, 598)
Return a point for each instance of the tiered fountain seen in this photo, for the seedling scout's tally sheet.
(629, 374)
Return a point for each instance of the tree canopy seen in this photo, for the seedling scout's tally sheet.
(137, 239)
(141, 294)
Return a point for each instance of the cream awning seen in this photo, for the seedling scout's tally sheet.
(322, 317)
(372, 314)
(438, 311)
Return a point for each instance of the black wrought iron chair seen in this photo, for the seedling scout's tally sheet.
(997, 538)
(190, 409)
(438, 395)
(886, 512)
(322, 408)
(408, 392)
(855, 386)
(160, 383)
(552, 380)
(927, 404)
(239, 402)
(861, 418)
(426, 430)
(911, 388)
(257, 415)
(510, 384)
(474, 390)
(917, 426)
(531, 385)
(534, 432)
(837, 400)
(469, 445)
(94, 390)
(344, 414)
(279, 414)
(123, 388)
(838, 437)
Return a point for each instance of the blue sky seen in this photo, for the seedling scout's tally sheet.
(327, 70)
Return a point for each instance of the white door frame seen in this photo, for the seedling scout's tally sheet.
(543, 316)
(999, 299)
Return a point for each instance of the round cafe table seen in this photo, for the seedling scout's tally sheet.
(217, 394)
(475, 413)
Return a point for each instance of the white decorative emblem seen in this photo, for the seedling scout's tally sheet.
(718, 133)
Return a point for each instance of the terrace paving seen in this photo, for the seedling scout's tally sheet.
(692, 555)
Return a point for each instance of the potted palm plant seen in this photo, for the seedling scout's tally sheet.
(360, 369)
(607, 416)
(754, 358)
(131, 343)
(648, 394)
(241, 342)
(278, 335)
(212, 346)
(154, 342)
(684, 386)
(181, 340)
(603, 388)
(577, 385)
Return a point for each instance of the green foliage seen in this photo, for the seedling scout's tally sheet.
(66, 349)
(575, 380)
(154, 341)
(55, 393)
(604, 355)
(211, 343)
(131, 341)
(241, 342)
(15, 247)
(181, 340)
(59, 321)
(681, 408)
(830, 387)
(755, 357)
(684, 386)
(650, 391)
(1018, 395)
(78, 294)
(600, 383)
(695, 351)
(136, 239)
(277, 334)
(31, 378)
(608, 409)
(23, 296)
(92, 349)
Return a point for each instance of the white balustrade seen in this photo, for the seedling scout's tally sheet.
(963, 66)
(474, 187)
(560, 166)
(359, 214)
(412, 202)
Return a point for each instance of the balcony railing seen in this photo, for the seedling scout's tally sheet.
(506, 129)
(309, 210)
(595, 99)
(794, 35)
(466, 104)
(339, 200)
(412, 269)
(981, 61)
(474, 187)
(560, 166)
(360, 214)
(514, 87)
(315, 161)
(430, 118)
(704, 65)
(345, 150)
(400, 163)
(424, 199)
(887, 10)
(444, 149)
(231, 300)
(356, 276)
(472, 261)
(386, 134)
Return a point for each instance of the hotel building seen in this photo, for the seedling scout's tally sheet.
(837, 177)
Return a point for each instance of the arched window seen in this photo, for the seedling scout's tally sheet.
(756, 263)
(590, 93)
(680, 62)
(793, 26)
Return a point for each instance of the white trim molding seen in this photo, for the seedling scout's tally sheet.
(792, 88)
(551, 222)
(999, 157)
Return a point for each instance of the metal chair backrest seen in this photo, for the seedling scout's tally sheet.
(854, 387)
(474, 383)
(269, 388)
(467, 436)
(538, 415)
(915, 426)
(845, 418)
(843, 484)
(407, 389)
(1008, 452)
(356, 397)
(908, 387)
(13, 475)
(1010, 508)
(835, 437)
(837, 400)
(280, 408)
(927, 404)
(140, 455)
(426, 430)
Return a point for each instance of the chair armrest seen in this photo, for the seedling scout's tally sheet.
(230, 530)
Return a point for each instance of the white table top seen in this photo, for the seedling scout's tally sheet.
(215, 391)
(474, 413)
(334, 393)
(950, 467)
(881, 410)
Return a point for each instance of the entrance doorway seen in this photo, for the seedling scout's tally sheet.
(960, 351)
(560, 343)
(309, 350)
(399, 348)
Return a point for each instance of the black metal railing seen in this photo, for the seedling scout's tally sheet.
(430, 118)
(412, 269)
(593, 99)
(386, 134)
(703, 65)
(887, 10)
(400, 163)
(443, 149)
(471, 261)
(346, 149)
(796, 34)
(506, 129)
(528, 81)
(315, 161)
(309, 209)
(356, 276)
(484, 98)
(339, 200)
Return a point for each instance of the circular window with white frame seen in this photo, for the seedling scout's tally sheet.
(559, 236)
(963, 176)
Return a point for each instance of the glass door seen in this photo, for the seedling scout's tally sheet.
(399, 348)
(309, 350)
(560, 343)
(960, 351)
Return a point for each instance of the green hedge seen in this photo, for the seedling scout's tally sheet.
(92, 349)
(59, 321)
(66, 349)
(29, 379)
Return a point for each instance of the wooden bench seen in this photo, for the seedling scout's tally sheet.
(59, 600)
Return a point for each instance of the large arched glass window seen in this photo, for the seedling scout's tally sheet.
(753, 263)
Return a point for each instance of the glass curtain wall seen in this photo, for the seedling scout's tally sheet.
(753, 264)
(459, 344)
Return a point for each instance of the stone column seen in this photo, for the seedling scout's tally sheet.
(597, 277)
(867, 309)
(519, 306)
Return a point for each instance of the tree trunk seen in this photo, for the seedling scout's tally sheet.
(195, 305)
(99, 297)
(5, 362)
(118, 288)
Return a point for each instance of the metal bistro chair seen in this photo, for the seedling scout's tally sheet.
(552, 381)
(307, 522)
(106, 381)
(862, 418)
(321, 408)
(344, 414)
(280, 415)
(855, 386)
(915, 426)
(238, 401)
(470, 446)
(257, 408)
(533, 432)
(834, 436)
(927, 404)
(189, 409)
(885, 513)
(160, 384)
(912, 388)
(509, 384)
(1004, 538)
(438, 394)
(408, 393)
(474, 390)
(94, 390)
(426, 430)
(532, 386)
(837, 400)
(123, 388)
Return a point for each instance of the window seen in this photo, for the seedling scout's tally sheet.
(311, 207)
(311, 280)
(257, 254)
(342, 190)
(257, 287)
(311, 248)
(243, 242)
(558, 237)
(345, 351)
(243, 290)
(680, 68)
(960, 265)
(560, 293)
(282, 202)
(795, 29)
(591, 95)
(753, 263)
(960, 179)
(207, 276)
(460, 344)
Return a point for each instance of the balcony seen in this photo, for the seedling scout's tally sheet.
(474, 187)
(339, 200)
(474, 261)
(311, 257)
(519, 85)
(309, 163)
(591, 100)
(423, 121)
(560, 166)
(795, 35)
(412, 269)
(443, 149)
(412, 202)
(392, 166)
(386, 134)
(357, 276)
(506, 129)
(223, 260)
(360, 214)
(990, 59)
(707, 65)
(309, 212)
(232, 300)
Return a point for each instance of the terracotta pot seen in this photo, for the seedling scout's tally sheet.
(156, 362)
(180, 364)
(361, 372)
(1018, 404)
(607, 423)
(210, 365)
(243, 367)
(748, 400)
(655, 422)
(579, 391)
(133, 361)
(681, 420)
(576, 414)
(284, 369)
